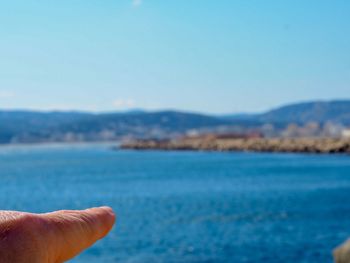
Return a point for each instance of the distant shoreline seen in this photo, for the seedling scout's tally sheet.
(278, 145)
(45, 144)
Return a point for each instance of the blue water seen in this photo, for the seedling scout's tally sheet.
(189, 206)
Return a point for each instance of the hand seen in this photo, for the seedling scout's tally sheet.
(53, 237)
(342, 253)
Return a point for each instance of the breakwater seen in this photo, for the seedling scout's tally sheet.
(297, 145)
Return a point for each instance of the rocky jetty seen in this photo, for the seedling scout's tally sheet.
(212, 143)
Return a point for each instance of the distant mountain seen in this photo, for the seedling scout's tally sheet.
(22, 126)
(31, 126)
(301, 113)
(334, 111)
(143, 124)
(240, 116)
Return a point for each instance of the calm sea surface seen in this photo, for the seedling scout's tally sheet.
(189, 206)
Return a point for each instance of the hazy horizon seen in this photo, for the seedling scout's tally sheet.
(168, 109)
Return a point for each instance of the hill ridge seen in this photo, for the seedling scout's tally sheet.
(38, 126)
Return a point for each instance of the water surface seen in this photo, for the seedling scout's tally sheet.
(189, 206)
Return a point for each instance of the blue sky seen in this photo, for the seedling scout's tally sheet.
(213, 56)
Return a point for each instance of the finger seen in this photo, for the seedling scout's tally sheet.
(342, 253)
(74, 231)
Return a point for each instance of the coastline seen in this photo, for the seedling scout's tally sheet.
(57, 145)
(287, 145)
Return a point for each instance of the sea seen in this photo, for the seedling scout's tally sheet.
(191, 207)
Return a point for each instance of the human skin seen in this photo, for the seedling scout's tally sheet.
(342, 253)
(53, 237)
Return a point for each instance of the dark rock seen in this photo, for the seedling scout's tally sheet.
(300, 145)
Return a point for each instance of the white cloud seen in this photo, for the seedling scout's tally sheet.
(136, 3)
(122, 104)
(4, 94)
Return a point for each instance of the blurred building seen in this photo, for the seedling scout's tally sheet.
(346, 133)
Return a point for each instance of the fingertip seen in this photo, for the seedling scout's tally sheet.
(81, 228)
(109, 215)
(105, 212)
(108, 210)
(106, 216)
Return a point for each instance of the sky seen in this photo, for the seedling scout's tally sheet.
(211, 56)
